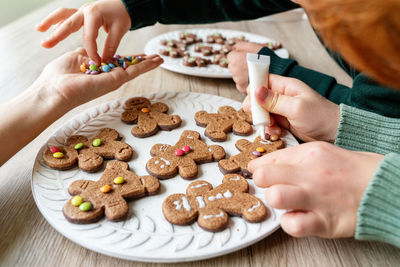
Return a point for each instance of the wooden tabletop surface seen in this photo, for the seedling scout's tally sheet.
(26, 239)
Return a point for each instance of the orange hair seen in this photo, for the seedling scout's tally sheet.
(365, 32)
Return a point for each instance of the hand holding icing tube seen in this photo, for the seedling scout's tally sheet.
(258, 66)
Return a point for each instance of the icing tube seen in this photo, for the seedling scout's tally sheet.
(258, 66)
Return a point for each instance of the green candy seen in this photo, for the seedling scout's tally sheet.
(85, 206)
(96, 142)
(78, 146)
(93, 67)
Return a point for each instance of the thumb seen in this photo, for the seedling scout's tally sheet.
(276, 103)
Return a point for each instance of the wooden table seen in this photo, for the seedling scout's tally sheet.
(26, 239)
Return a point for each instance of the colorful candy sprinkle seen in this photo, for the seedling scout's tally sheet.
(186, 149)
(145, 110)
(256, 153)
(78, 146)
(140, 58)
(106, 68)
(260, 149)
(76, 201)
(124, 65)
(93, 67)
(94, 72)
(91, 62)
(83, 67)
(54, 149)
(266, 136)
(111, 65)
(129, 58)
(116, 57)
(96, 142)
(58, 155)
(85, 206)
(105, 188)
(103, 63)
(274, 137)
(179, 152)
(118, 180)
(135, 61)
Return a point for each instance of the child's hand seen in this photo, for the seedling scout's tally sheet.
(320, 184)
(63, 81)
(238, 64)
(109, 14)
(298, 108)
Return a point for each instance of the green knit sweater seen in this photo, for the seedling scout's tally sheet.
(378, 214)
(364, 94)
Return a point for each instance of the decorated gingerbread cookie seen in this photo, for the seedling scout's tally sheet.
(88, 153)
(92, 200)
(189, 38)
(183, 157)
(215, 38)
(150, 118)
(227, 119)
(189, 61)
(249, 150)
(210, 207)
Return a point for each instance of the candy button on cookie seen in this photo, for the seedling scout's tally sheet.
(105, 188)
(118, 180)
(145, 110)
(266, 136)
(256, 153)
(85, 206)
(274, 137)
(54, 149)
(76, 201)
(260, 149)
(96, 142)
(186, 149)
(78, 146)
(179, 152)
(58, 155)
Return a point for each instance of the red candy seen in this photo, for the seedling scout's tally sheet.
(54, 149)
(186, 149)
(179, 152)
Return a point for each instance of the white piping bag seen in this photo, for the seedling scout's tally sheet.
(258, 66)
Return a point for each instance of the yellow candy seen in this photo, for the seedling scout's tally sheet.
(105, 188)
(103, 64)
(76, 201)
(83, 67)
(145, 110)
(135, 61)
(58, 155)
(260, 149)
(119, 180)
(116, 63)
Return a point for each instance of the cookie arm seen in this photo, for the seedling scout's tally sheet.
(78, 186)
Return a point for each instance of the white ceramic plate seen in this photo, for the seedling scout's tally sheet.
(211, 71)
(146, 235)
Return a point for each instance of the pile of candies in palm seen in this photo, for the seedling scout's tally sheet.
(118, 61)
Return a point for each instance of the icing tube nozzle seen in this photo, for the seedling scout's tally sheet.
(258, 66)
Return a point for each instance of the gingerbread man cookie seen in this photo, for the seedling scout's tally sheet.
(150, 118)
(183, 157)
(88, 153)
(211, 206)
(249, 150)
(92, 200)
(227, 119)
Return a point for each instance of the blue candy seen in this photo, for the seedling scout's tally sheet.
(120, 61)
(106, 68)
(129, 58)
(111, 65)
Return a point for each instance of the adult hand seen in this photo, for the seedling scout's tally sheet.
(109, 14)
(63, 81)
(238, 64)
(297, 108)
(320, 184)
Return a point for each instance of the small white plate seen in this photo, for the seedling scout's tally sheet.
(145, 235)
(210, 71)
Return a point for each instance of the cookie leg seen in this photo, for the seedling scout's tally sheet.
(228, 166)
(218, 152)
(188, 169)
(116, 209)
(146, 126)
(213, 219)
(150, 183)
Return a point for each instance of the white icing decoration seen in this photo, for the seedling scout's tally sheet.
(200, 200)
(221, 214)
(178, 205)
(254, 207)
(237, 178)
(190, 137)
(219, 196)
(199, 185)
(265, 142)
(209, 149)
(228, 194)
(166, 161)
(162, 166)
(211, 198)
(163, 148)
(186, 204)
(157, 162)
